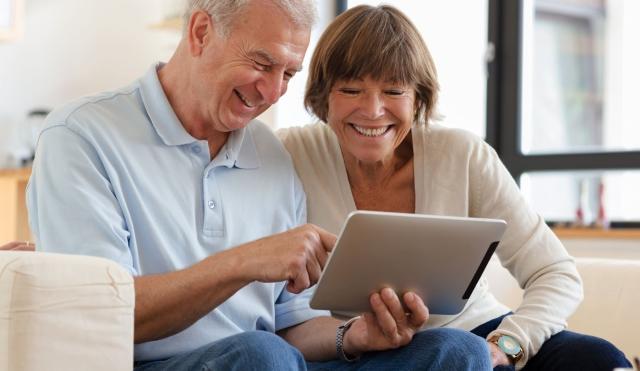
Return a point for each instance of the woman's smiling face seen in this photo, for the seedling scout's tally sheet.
(371, 118)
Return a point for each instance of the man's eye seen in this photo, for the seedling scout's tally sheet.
(261, 66)
(288, 76)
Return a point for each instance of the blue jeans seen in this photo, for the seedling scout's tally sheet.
(437, 349)
(434, 349)
(252, 350)
(567, 351)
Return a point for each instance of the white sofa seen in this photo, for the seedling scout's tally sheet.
(611, 305)
(64, 312)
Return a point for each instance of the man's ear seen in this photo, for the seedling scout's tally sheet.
(199, 32)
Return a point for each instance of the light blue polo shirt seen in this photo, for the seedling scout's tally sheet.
(117, 176)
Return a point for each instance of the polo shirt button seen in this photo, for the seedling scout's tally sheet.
(226, 155)
(212, 205)
(196, 149)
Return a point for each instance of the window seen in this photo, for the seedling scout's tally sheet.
(560, 105)
(10, 19)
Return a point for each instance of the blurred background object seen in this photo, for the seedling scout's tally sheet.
(20, 144)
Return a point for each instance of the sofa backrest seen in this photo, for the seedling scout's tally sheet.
(611, 305)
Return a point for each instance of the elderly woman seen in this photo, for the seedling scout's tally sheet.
(373, 84)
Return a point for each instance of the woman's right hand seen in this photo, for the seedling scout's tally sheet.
(18, 246)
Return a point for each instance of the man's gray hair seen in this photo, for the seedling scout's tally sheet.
(301, 12)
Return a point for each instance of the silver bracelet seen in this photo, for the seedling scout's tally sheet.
(340, 338)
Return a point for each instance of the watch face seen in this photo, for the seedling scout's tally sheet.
(509, 345)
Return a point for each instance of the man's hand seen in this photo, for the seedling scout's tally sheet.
(387, 326)
(498, 357)
(297, 256)
(18, 246)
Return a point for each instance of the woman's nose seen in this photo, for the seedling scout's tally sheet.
(372, 105)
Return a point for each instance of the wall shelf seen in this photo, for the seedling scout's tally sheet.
(597, 233)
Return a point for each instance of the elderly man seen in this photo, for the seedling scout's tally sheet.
(168, 178)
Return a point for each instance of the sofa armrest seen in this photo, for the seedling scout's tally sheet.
(611, 300)
(64, 312)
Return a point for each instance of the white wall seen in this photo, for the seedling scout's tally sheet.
(72, 48)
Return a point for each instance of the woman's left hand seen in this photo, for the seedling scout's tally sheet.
(387, 326)
(498, 357)
(18, 245)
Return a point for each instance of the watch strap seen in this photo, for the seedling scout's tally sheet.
(342, 329)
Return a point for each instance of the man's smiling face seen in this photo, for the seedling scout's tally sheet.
(241, 75)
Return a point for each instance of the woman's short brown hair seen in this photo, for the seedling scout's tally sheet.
(378, 42)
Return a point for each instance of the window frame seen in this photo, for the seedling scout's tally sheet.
(504, 106)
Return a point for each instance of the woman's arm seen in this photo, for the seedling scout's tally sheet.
(529, 250)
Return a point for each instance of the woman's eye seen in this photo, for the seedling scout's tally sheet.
(349, 91)
(394, 92)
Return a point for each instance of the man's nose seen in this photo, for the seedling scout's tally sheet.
(272, 88)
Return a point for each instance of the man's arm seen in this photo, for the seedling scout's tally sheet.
(18, 246)
(168, 303)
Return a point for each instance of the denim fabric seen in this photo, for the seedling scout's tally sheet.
(251, 350)
(435, 349)
(567, 351)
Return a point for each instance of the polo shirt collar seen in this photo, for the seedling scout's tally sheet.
(240, 146)
(241, 149)
(162, 116)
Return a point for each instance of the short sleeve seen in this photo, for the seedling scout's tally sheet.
(293, 309)
(71, 203)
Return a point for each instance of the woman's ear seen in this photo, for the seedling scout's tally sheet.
(199, 32)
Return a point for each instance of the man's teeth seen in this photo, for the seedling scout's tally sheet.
(244, 100)
(371, 132)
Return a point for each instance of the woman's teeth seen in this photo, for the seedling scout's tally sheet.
(370, 132)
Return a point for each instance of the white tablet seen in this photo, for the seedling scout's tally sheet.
(440, 258)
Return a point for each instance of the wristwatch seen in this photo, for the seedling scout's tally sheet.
(509, 346)
(340, 338)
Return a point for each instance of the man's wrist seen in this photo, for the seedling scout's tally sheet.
(344, 346)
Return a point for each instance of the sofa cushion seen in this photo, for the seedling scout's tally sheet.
(64, 312)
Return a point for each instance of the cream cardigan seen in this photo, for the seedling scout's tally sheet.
(458, 174)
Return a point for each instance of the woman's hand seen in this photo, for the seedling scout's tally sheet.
(18, 246)
(387, 326)
(498, 357)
